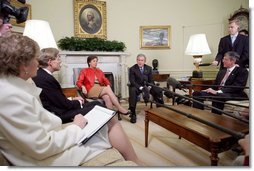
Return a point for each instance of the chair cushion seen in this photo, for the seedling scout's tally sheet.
(76, 72)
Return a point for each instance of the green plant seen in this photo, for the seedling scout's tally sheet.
(90, 44)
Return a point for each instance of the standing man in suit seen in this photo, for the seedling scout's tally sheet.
(140, 74)
(233, 42)
(52, 96)
(230, 75)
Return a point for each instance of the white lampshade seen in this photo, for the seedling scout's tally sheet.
(197, 45)
(40, 31)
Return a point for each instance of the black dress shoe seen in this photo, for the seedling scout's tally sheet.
(119, 117)
(127, 113)
(168, 94)
(133, 118)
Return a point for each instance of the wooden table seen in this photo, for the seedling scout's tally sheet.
(199, 83)
(204, 136)
(160, 77)
(197, 87)
(70, 91)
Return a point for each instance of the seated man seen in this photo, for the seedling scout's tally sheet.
(141, 73)
(230, 82)
(52, 96)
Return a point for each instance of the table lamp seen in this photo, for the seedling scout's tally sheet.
(40, 31)
(197, 46)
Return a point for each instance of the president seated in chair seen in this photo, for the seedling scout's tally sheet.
(229, 83)
(140, 74)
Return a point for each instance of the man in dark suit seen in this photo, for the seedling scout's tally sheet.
(52, 96)
(233, 76)
(140, 74)
(233, 42)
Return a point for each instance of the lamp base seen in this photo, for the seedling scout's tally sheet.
(197, 74)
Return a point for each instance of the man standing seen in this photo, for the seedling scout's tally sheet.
(140, 74)
(233, 42)
(230, 81)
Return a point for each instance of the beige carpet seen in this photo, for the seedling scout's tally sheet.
(164, 147)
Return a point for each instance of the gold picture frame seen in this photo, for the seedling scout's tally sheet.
(19, 5)
(155, 37)
(242, 15)
(90, 19)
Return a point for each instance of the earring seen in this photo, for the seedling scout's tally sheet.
(26, 72)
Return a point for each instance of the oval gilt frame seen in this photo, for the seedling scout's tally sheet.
(89, 29)
(242, 15)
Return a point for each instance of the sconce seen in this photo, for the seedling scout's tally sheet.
(197, 47)
(40, 31)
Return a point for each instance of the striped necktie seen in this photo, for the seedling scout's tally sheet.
(225, 78)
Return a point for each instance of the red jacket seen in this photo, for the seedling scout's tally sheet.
(87, 77)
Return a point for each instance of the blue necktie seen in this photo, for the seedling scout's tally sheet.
(142, 70)
(233, 39)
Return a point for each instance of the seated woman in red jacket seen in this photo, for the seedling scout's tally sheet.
(93, 83)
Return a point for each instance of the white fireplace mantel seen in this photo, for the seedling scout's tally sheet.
(114, 62)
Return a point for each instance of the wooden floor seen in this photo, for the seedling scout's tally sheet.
(164, 147)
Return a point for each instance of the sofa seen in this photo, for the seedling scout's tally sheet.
(110, 157)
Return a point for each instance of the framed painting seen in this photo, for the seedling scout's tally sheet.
(242, 15)
(90, 19)
(152, 37)
(19, 5)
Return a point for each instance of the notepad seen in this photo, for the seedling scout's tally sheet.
(97, 118)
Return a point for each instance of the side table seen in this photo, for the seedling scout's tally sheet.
(70, 90)
(195, 85)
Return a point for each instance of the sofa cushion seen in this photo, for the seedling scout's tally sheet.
(110, 157)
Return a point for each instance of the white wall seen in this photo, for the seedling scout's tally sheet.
(124, 17)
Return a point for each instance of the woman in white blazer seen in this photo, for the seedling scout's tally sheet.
(32, 136)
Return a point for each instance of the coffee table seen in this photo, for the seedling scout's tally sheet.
(204, 136)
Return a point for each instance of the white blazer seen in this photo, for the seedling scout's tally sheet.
(32, 136)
